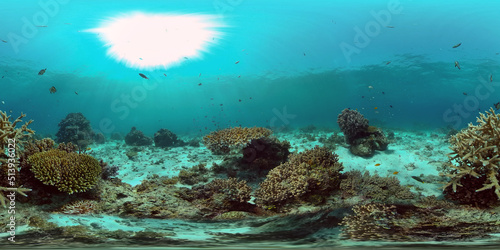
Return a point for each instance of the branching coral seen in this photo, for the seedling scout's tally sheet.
(475, 156)
(69, 172)
(308, 176)
(10, 135)
(226, 140)
(8, 131)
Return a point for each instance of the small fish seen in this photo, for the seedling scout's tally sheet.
(52, 90)
(4, 41)
(457, 65)
(76, 93)
(143, 76)
(199, 75)
(237, 62)
(3, 76)
(418, 179)
(304, 54)
(239, 76)
(491, 78)
(497, 105)
(362, 96)
(221, 104)
(378, 164)
(41, 72)
(457, 45)
(199, 84)
(164, 74)
(3, 102)
(375, 108)
(239, 100)
(140, 58)
(370, 87)
(464, 93)
(185, 58)
(391, 27)
(387, 63)
(383, 93)
(390, 106)
(88, 148)
(395, 173)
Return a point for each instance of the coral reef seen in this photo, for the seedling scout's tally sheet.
(308, 176)
(75, 128)
(165, 138)
(69, 172)
(233, 139)
(137, 138)
(194, 175)
(376, 188)
(474, 164)
(362, 138)
(265, 153)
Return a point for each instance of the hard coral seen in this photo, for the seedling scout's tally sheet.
(353, 124)
(80, 207)
(68, 172)
(476, 160)
(226, 140)
(75, 128)
(8, 131)
(308, 176)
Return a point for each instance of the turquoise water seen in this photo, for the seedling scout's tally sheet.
(258, 63)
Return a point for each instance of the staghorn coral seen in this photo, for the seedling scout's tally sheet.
(8, 131)
(307, 176)
(68, 172)
(230, 139)
(475, 162)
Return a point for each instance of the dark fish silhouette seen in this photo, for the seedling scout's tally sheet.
(52, 90)
(143, 76)
(41, 72)
(457, 45)
(457, 65)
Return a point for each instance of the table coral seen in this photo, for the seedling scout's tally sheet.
(475, 158)
(69, 172)
(230, 139)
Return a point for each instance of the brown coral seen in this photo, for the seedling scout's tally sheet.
(226, 140)
(8, 131)
(308, 176)
(475, 157)
(69, 172)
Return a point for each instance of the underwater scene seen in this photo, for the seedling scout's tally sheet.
(249, 124)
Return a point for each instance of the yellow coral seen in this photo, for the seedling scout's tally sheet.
(69, 172)
(476, 153)
(223, 141)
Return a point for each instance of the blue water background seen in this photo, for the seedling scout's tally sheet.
(291, 61)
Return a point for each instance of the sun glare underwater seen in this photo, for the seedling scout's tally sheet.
(151, 41)
(237, 124)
